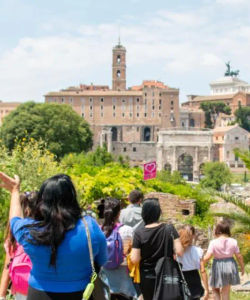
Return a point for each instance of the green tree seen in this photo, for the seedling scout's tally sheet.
(242, 115)
(212, 111)
(33, 163)
(244, 156)
(62, 129)
(215, 175)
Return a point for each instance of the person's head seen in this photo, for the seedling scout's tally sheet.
(112, 208)
(151, 211)
(187, 234)
(135, 197)
(27, 201)
(57, 211)
(222, 228)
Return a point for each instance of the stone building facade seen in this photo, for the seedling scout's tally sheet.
(226, 139)
(126, 119)
(185, 151)
(6, 108)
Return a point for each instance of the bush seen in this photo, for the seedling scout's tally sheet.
(215, 175)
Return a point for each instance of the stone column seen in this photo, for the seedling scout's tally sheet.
(196, 166)
(159, 150)
(175, 167)
(109, 141)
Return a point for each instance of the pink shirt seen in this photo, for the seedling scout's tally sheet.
(223, 247)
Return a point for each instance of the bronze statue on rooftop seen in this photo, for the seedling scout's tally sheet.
(229, 72)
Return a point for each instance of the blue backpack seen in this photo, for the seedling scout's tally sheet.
(115, 249)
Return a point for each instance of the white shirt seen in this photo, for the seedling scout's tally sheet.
(191, 258)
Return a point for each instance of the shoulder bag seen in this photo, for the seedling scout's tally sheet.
(96, 289)
(170, 283)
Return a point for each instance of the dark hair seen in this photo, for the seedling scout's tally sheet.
(222, 227)
(57, 211)
(112, 209)
(135, 196)
(27, 200)
(151, 211)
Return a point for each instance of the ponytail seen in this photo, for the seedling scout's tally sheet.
(112, 209)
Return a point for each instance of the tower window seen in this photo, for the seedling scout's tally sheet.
(123, 115)
(102, 99)
(138, 115)
(172, 102)
(90, 99)
(91, 107)
(145, 114)
(123, 100)
(137, 100)
(124, 149)
(118, 59)
(101, 107)
(113, 107)
(118, 74)
(160, 101)
(134, 149)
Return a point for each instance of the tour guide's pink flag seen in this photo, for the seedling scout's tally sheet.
(150, 170)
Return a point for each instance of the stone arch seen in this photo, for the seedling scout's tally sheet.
(186, 166)
(168, 167)
(114, 134)
(146, 134)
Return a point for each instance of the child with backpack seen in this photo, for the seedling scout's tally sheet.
(224, 272)
(193, 266)
(17, 263)
(119, 241)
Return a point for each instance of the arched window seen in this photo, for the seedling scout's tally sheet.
(118, 73)
(114, 134)
(146, 134)
(192, 123)
(118, 59)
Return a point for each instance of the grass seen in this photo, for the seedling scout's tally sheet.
(240, 178)
(240, 296)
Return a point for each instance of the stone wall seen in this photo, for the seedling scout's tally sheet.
(173, 207)
(138, 152)
(173, 211)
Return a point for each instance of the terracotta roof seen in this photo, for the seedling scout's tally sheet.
(9, 104)
(225, 129)
(212, 97)
(149, 83)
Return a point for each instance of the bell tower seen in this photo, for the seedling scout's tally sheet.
(119, 68)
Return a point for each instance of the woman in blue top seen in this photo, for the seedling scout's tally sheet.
(55, 239)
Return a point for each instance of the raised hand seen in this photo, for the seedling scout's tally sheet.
(9, 183)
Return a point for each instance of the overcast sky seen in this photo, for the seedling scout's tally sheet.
(47, 45)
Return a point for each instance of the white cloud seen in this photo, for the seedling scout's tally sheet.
(232, 2)
(168, 45)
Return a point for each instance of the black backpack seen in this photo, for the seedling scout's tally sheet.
(170, 283)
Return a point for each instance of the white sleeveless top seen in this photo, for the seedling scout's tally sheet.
(191, 258)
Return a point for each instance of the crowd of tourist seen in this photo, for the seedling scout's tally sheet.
(55, 252)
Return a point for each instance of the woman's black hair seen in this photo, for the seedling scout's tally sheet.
(151, 211)
(56, 212)
(112, 208)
